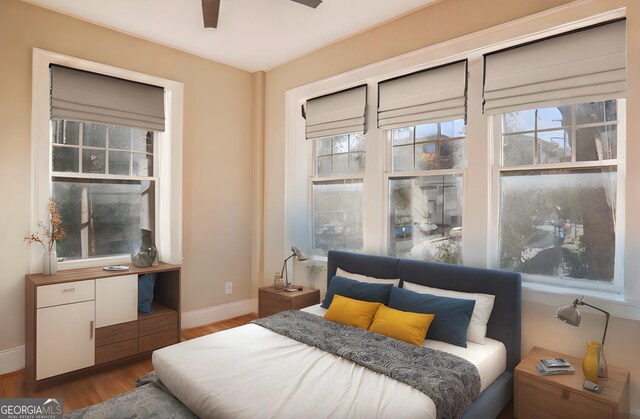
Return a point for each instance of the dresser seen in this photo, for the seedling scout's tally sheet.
(84, 320)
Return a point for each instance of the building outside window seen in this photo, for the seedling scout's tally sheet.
(425, 204)
(558, 190)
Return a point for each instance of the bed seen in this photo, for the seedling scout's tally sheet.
(252, 371)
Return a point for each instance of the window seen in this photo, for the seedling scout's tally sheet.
(106, 175)
(104, 183)
(558, 191)
(337, 193)
(425, 210)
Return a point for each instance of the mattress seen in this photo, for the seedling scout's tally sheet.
(249, 372)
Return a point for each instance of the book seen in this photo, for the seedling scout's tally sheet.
(555, 363)
(543, 370)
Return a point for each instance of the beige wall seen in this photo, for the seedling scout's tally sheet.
(217, 154)
(429, 26)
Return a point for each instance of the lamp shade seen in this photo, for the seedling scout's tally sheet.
(299, 255)
(569, 314)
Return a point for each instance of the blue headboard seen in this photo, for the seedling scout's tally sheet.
(505, 321)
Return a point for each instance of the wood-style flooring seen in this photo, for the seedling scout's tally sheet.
(101, 386)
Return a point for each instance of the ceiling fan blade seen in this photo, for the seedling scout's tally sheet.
(210, 10)
(310, 3)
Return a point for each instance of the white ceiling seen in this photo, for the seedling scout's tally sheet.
(251, 34)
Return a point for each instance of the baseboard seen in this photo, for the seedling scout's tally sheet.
(634, 414)
(12, 360)
(214, 314)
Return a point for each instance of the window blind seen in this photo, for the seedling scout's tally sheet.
(337, 113)
(583, 66)
(84, 96)
(436, 94)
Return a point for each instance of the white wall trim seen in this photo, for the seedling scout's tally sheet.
(12, 359)
(218, 313)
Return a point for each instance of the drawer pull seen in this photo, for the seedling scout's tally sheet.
(68, 290)
(91, 329)
(565, 394)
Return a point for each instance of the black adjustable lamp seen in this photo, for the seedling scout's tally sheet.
(301, 257)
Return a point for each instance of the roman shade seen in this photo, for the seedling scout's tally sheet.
(435, 94)
(84, 96)
(588, 65)
(337, 113)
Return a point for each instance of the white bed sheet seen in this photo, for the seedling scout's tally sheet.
(250, 372)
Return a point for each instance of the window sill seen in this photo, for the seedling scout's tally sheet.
(557, 296)
(94, 263)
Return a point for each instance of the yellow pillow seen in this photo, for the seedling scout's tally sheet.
(402, 325)
(351, 312)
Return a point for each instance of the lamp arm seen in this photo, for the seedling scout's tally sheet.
(284, 265)
(606, 325)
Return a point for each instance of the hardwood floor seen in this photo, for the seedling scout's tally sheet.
(99, 387)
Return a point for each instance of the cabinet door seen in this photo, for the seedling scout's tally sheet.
(116, 300)
(65, 338)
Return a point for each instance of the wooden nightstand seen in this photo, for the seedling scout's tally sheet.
(271, 301)
(562, 396)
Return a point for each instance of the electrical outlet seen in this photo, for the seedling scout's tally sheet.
(228, 287)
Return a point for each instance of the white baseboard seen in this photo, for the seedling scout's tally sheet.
(634, 414)
(214, 314)
(12, 360)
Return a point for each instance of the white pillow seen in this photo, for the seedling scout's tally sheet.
(481, 311)
(364, 278)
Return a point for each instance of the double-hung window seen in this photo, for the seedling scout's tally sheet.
(423, 115)
(559, 142)
(336, 124)
(103, 152)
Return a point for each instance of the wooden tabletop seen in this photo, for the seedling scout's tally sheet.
(305, 290)
(95, 273)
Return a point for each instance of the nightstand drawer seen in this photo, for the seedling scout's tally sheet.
(541, 399)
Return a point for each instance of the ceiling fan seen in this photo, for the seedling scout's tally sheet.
(211, 9)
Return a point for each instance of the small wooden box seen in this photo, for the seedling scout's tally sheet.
(271, 301)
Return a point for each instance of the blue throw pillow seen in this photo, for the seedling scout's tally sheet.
(146, 283)
(364, 291)
(452, 314)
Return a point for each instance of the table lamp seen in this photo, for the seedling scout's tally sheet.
(301, 257)
(571, 315)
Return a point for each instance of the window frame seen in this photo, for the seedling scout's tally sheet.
(167, 158)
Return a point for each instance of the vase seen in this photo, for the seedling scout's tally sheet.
(278, 282)
(50, 262)
(145, 257)
(590, 363)
(53, 261)
(603, 370)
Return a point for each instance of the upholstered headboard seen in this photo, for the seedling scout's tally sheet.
(505, 321)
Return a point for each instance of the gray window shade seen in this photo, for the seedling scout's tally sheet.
(337, 113)
(436, 94)
(84, 96)
(579, 67)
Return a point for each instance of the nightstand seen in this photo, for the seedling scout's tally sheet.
(271, 301)
(562, 396)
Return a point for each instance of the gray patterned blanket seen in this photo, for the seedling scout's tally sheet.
(450, 381)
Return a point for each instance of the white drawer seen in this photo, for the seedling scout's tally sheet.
(65, 293)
